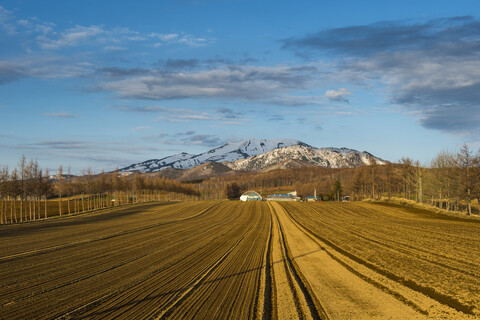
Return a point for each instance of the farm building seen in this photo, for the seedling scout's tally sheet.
(314, 197)
(291, 196)
(250, 196)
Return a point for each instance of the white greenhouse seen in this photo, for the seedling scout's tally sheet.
(250, 196)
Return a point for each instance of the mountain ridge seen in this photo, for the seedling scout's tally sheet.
(259, 155)
(296, 154)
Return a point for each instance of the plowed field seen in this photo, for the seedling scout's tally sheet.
(236, 260)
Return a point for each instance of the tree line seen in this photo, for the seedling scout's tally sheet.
(30, 193)
(451, 181)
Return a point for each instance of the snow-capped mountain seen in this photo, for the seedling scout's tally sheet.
(305, 155)
(158, 164)
(227, 152)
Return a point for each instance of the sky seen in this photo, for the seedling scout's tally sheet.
(104, 84)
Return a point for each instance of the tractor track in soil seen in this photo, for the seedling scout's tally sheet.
(225, 260)
(43, 285)
(425, 300)
(299, 294)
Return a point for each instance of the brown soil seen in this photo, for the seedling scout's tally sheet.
(235, 260)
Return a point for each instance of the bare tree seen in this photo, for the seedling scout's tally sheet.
(465, 163)
(68, 187)
(418, 173)
(59, 186)
(45, 190)
(407, 176)
(14, 192)
(89, 185)
(476, 177)
(28, 189)
(4, 193)
(22, 165)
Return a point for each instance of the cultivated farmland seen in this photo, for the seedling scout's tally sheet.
(233, 260)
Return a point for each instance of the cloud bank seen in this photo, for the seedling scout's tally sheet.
(250, 83)
(431, 69)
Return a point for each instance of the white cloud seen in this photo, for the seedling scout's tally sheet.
(338, 95)
(23, 22)
(61, 114)
(430, 69)
(174, 38)
(164, 37)
(142, 128)
(233, 123)
(194, 41)
(6, 21)
(44, 27)
(258, 83)
(53, 67)
(71, 37)
(220, 115)
(114, 48)
(11, 71)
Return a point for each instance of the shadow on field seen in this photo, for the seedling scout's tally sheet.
(76, 220)
(182, 290)
(425, 213)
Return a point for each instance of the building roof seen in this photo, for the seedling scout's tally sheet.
(251, 193)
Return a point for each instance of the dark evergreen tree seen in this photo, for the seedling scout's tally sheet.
(232, 191)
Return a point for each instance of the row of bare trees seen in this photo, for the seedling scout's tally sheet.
(451, 181)
(22, 191)
(29, 193)
(454, 179)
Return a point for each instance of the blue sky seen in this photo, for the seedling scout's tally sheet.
(102, 84)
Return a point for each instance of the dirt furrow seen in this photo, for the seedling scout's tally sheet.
(195, 284)
(183, 262)
(235, 260)
(293, 299)
(420, 298)
(105, 237)
(342, 294)
(148, 255)
(409, 270)
(266, 290)
(232, 289)
(393, 241)
(129, 248)
(158, 291)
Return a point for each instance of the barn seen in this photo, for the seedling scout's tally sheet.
(250, 196)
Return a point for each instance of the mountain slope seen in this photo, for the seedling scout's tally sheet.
(206, 170)
(304, 155)
(157, 164)
(227, 152)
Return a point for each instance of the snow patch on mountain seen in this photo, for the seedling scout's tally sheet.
(228, 152)
(324, 157)
(158, 164)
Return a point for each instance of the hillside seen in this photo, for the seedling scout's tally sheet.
(303, 155)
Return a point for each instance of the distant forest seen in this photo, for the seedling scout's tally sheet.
(25, 191)
(451, 182)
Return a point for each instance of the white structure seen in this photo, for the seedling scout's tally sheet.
(291, 196)
(250, 196)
